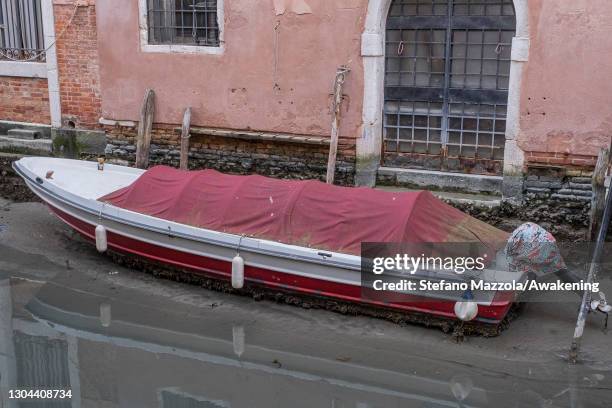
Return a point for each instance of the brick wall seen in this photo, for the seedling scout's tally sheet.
(560, 159)
(77, 57)
(276, 159)
(24, 100)
(27, 99)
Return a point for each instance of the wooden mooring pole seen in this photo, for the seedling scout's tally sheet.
(145, 128)
(185, 136)
(337, 103)
(598, 200)
(600, 219)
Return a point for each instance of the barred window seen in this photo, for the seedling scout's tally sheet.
(446, 84)
(183, 22)
(21, 30)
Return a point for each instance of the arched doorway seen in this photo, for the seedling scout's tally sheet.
(447, 71)
(369, 144)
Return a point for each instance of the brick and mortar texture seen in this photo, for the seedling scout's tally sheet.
(27, 99)
(24, 100)
(557, 158)
(275, 159)
(558, 188)
(558, 194)
(557, 198)
(77, 58)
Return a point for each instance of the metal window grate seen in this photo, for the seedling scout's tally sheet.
(418, 8)
(483, 8)
(21, 30)
(446, 83)
(481, 59)
(415, 57)
(183, 22)
(476, 130)
(413, 127)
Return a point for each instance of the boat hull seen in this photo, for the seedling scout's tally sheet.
(322, 278)
(219, 269)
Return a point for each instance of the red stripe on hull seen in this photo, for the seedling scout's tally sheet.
(272, 279)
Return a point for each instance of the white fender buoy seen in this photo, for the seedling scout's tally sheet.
(466, 310)
(101, 241)
(237, 272)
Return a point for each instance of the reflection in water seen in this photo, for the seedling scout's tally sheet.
(119, 349)
(105, 314)
(238, 340)
(42, 363)
(461, 386)
(176, 399)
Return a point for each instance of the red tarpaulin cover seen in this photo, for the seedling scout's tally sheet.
(305, 213)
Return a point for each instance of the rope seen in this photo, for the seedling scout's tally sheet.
(57, 37)
(239, 244)
(338, 82)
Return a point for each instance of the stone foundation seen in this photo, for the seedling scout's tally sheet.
(558, 199)
(559, 195)
(237, 156)
(566, 223)
(559, 184)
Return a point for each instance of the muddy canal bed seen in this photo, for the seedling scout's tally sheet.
(119, 337)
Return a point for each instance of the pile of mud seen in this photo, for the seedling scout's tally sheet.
(566, 222)
(12, 187)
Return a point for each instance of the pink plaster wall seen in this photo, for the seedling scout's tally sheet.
(565, 99)
(566, 104)
(237, 89)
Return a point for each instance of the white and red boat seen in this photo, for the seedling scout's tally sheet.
(292, 236)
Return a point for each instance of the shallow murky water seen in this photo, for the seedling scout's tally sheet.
(116, 346)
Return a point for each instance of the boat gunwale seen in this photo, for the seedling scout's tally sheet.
(314, 258)
(286, 251)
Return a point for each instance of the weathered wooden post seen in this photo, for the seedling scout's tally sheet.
(145, 128)
(599, 193)
(337, 103)
(185, 136)
(604, 223)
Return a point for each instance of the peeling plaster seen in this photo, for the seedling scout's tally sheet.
(294, 6)
(270, 72)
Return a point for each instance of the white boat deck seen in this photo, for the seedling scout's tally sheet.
(82, 178)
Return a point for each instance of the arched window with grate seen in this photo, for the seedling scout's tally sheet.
(446, 84)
